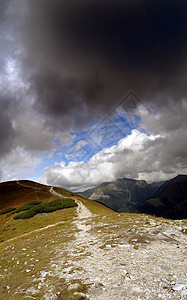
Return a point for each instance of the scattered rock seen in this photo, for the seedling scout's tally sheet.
(43, 273)
(184, 294)
(82, 295)
(137, 290)
(74, 286)
(98, 284)
(32, 290)
(179, 287)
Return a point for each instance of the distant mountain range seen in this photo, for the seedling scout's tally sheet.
(17, 193)
(164, 199)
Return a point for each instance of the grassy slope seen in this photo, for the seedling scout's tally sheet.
(13, 194)
(16, 195)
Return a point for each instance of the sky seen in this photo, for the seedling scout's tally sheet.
(92, 91)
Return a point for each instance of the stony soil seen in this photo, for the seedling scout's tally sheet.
(141, 262)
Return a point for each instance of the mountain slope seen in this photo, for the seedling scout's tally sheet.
(121, 195)
(17, 195)
(169, 200)
(14, 193)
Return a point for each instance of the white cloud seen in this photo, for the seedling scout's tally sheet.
(138, 155)
(17, 164)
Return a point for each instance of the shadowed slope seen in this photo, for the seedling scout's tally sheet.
(169, 201)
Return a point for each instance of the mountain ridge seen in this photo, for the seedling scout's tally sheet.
(128, 195)
(169, 200)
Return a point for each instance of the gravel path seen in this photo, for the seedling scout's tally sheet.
(155, 269)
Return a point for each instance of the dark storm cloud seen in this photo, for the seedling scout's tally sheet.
(7, 133)
(3, 9)
(130, 34)
(60, 95)
(138, 45)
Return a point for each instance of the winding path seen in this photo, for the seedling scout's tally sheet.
(82, 212)
(56, 194)
(28, 186)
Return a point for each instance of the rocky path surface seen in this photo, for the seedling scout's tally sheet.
(119, 270)
(56, 194)
(147, 262)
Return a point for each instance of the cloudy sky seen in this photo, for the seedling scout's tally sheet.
(92, 91)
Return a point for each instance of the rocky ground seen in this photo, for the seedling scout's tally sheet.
(145, 261)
